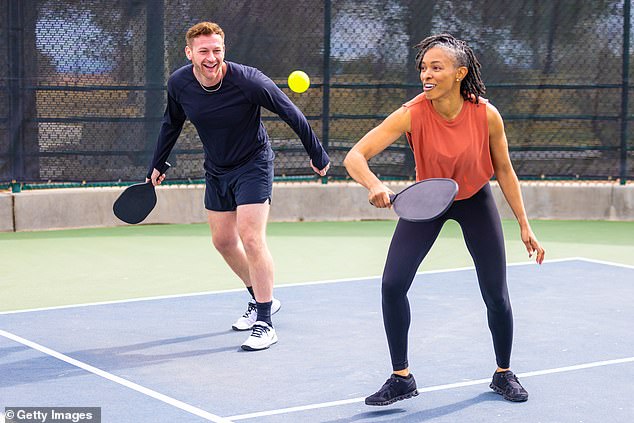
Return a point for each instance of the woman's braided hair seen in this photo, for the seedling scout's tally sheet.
(471, 87)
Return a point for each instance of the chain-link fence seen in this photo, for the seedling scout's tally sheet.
(83, 81)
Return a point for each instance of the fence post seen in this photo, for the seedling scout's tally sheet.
(154, 73)
(625, 87)
(325, 111)
(15, 89)
(22, 123)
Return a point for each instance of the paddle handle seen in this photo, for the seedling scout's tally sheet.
(392, 198)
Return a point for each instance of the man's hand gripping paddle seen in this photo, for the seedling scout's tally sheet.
(137, 201)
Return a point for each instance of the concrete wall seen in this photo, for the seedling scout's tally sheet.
(6, 212)
(92, 207)
(573, 200)
(333, 201)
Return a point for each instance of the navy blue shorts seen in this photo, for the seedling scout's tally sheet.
(251, 183)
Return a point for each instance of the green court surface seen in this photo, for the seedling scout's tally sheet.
(43, 269)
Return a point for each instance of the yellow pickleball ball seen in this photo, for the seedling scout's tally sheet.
(298, 81)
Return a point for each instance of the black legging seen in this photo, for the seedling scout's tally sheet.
(480, 222)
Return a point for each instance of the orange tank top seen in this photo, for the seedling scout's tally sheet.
(456, 149)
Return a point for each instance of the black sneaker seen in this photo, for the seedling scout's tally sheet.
(396, 388)
(508, 385)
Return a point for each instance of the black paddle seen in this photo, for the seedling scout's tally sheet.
(425, 200)
(137, 201)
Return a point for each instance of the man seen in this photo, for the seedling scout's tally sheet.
(223, 100)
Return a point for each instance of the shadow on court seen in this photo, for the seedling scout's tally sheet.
(108, 359)
(399, 414)
(572, 325)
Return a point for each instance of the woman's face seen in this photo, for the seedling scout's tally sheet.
(439, 74)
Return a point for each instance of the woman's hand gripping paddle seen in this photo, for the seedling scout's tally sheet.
(425, 200)
(137, 201)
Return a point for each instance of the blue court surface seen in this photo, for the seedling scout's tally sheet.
(176, 359)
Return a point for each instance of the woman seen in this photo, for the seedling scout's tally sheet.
(454, 133)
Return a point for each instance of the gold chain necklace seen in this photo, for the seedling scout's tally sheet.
(215, 89)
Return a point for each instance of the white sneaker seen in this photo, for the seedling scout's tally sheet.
(262, 337)
(249, 317)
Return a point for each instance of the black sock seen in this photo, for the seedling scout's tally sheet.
(250, 289)
(264, 312)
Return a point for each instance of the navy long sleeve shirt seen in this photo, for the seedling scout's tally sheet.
(228, 120)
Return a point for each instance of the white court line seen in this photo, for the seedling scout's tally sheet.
(607, 263)
(116, 379)
(432, 388)
(290, 285)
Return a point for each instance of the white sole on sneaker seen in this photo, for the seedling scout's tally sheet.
(250, 348)
(262, 337)
(246, 322)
